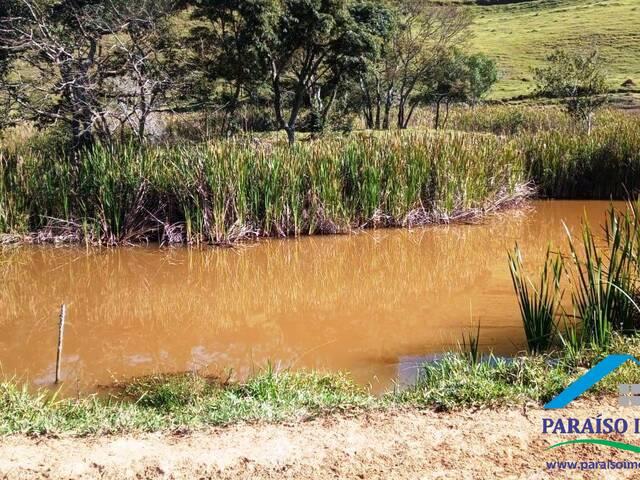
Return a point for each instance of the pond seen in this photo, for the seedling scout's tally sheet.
(373, 303)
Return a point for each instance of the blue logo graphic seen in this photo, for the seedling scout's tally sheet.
(588, 380)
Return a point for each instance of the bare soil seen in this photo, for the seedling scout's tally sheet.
(398, 444)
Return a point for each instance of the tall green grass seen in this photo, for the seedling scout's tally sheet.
(562, 159)
(229, 190)
(597, 298)
(232, 190)
(509, 119)
(602, 271)
(539, 304)
(569, 163)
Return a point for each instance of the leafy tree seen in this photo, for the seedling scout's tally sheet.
(428, 33)
(455, 77)
(578, 78)
(447, 82)
(232, 47)
(303, 50)
(482, 73)
(376, 83)
(422, 35)
(364, 31)
(315, 44)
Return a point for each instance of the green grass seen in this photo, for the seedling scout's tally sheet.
(226, 191)
(539, 303)
(188, 402)
(455, 382)
(602, 282)
(230, 190)
(569, 163)
(179, 402)
(519, 35)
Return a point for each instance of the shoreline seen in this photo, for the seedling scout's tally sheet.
(190, 402)
(399, 443)
(417, 218)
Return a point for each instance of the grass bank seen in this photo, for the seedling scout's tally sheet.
(226, 191)
(513, 34)
(192, 402)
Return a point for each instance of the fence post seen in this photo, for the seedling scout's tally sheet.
(63, 314)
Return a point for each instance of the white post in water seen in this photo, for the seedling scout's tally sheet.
(63, 314)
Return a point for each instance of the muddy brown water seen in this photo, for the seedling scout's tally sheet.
(374, 304)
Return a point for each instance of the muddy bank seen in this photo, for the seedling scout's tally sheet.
(408, 443)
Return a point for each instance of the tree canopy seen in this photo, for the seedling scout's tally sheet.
(578, 78)
(110, 66)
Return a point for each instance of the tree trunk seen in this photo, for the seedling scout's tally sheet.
(446, 115)
(233, 107)
(291, 135)
(329, 105)
(401, 114)
(410, 114)
(437, 120)
(387, 110)
(378, 104)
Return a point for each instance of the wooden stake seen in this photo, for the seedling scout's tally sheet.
(63, 314)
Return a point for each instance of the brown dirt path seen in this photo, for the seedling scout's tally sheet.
(402, 444)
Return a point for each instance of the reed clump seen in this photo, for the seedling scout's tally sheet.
(574, 164)
(509, 119)
(602, 276)
(231, 190)
(540, 303)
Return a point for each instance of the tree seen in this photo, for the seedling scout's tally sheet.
(482, 73)
(376, 82)
(446, 82)
(423, 33)
(313, 44)
(5, 103)
(84, 63)
(459, 78)
(426, 35)
(145, 56)
(231, 47)
(365, 29)
(578, 78)
(303, 50)
(4, 54)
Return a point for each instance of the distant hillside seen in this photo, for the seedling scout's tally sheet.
(520, 34)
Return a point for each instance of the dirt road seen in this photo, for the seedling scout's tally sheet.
(401, 444)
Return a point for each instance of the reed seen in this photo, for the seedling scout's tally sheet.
(604, 279)
(470, 345)
(569, 163)
(539, 304)
(509, 119)
(235, 189)
(603, 283)
(232, 190)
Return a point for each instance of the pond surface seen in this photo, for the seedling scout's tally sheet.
(373, 304)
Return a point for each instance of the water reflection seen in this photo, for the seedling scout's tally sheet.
(359, 303)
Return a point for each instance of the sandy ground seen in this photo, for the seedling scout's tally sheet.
(387, 445)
